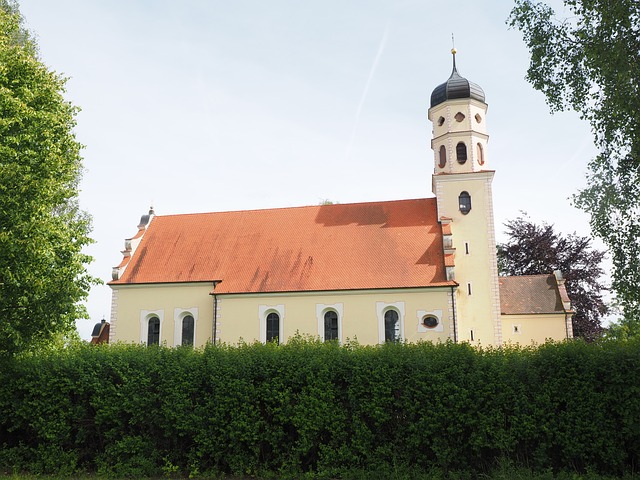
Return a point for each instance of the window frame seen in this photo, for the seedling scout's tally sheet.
(145, 316)
(263, 313)
(179, 314)
(321, 310)
(381, 309)
(480, 153)
(442, 156)
(437, 314)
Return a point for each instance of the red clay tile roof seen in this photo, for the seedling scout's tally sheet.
(529, 294)
(327, 247)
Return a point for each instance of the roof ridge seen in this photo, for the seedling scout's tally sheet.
(529, 275)
(293, 207)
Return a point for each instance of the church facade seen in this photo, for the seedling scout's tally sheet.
(407, 270)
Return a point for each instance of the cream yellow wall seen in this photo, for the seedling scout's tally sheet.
(241, 317)
(528, 329)
(473, 232)
(131, 303)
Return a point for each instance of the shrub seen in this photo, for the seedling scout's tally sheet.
(322, 410)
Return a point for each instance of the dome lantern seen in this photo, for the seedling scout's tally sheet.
(456, 87)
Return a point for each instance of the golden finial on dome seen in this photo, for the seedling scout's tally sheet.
(454, 51)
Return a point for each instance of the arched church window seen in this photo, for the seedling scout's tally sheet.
(330, 325)
(187, 330)
(443, 156)
(480, 154)
(273, 327)
(464, 202)
(153, 331)
(461, 152)
(391, 326)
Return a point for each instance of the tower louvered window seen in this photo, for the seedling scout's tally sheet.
(461, 152)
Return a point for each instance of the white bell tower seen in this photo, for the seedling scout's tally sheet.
(462, 186)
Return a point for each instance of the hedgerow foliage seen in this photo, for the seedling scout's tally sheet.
(321, 409)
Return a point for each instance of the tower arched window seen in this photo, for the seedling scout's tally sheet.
(391, 326)
(461, 152)
(331, 325)
(153, 331)
(187, 330)
(273, 327)
(480, 154)
(443, 157)
(464, 202)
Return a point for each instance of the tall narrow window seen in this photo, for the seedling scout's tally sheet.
(331, 325)
(464, 201)
(461, 152)
(443, 157)
(187, 330)
(480, 154)
(273, 327)
(153, 333)
(391, 326)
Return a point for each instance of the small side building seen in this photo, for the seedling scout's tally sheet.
(530, 307)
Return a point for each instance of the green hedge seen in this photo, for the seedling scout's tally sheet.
(321, 409)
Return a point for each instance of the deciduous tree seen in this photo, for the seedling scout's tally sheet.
(535, 249)
(590, 62)
(43, 275)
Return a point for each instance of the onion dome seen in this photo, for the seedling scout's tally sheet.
(456, 87)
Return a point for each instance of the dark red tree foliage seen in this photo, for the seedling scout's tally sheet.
(536, 249)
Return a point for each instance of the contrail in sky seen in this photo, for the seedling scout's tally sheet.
(366, 90)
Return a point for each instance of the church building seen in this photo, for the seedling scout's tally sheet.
(406, 270)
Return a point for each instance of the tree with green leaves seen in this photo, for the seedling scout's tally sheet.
(43, 276)
(533, 249)
(590, 62)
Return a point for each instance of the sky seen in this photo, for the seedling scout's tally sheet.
(211, 105)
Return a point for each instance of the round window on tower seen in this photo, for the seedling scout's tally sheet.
(464, 203)
(480, 154)
(461, 153)
(443, 157)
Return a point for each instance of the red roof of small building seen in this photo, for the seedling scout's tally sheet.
(531, 294)
(395, 244)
